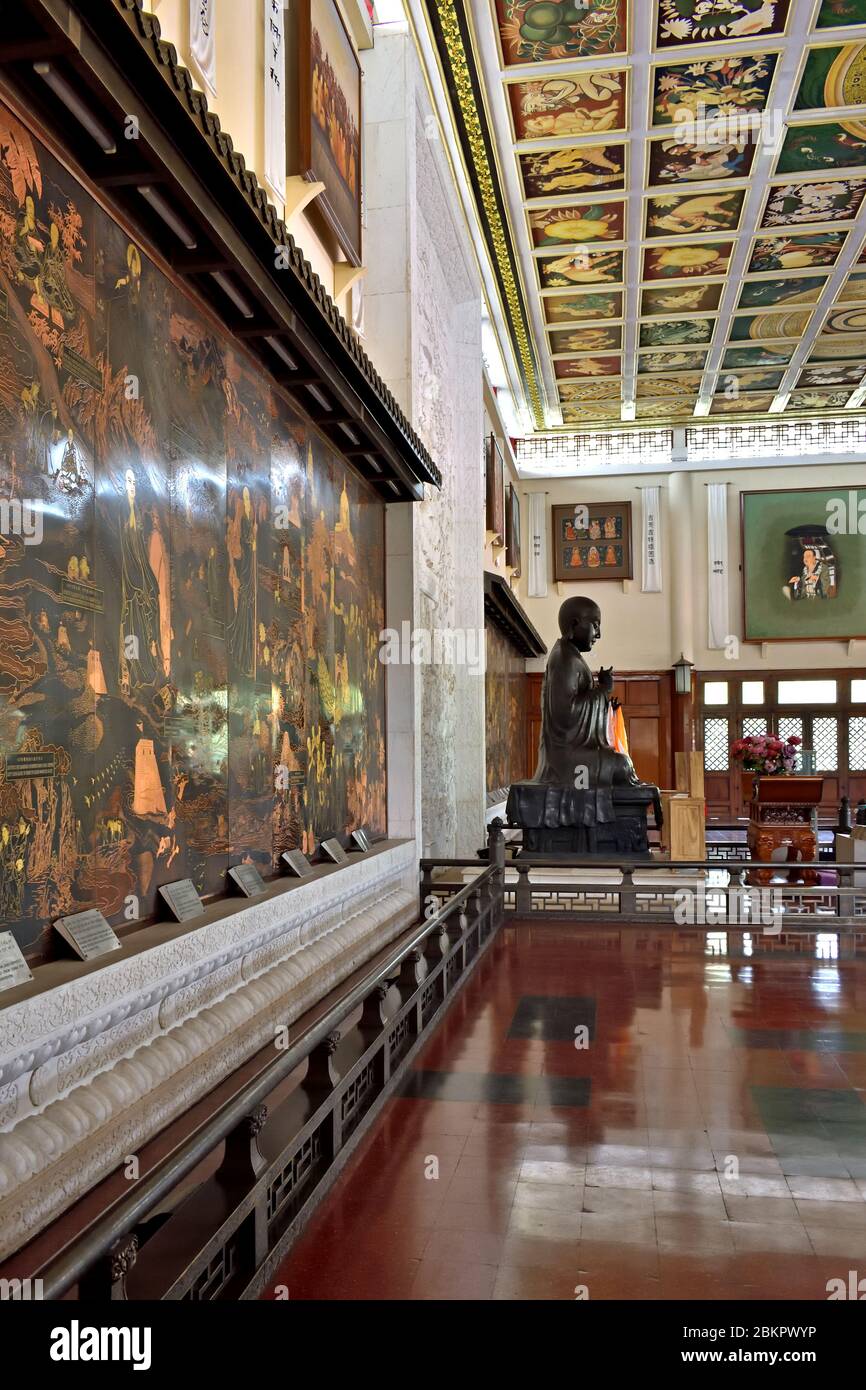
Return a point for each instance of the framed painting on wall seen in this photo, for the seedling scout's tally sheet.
(592, 541)
(495, 491)
(325, 132)
(512, 531)
(804, 565)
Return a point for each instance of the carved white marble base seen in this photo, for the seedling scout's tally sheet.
(93, 1068)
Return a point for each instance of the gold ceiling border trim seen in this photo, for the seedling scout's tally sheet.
(461, 85)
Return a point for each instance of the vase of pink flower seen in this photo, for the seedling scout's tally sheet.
(766, 754)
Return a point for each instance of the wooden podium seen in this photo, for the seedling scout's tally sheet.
(783, 815)
(683, 835)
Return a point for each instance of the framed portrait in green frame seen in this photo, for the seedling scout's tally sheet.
(804, 564)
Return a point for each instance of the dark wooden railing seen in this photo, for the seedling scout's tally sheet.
(214, 1219)
(724, 894)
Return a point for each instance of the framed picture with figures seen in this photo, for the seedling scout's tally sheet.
(324, 121)
(512, 531)
(804, 565)
(494, 471)
(592, 540)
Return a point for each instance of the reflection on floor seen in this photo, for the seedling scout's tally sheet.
(610, 1115)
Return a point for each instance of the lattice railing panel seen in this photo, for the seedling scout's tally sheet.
(787, 439)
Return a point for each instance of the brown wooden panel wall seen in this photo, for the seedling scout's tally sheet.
(646, 702)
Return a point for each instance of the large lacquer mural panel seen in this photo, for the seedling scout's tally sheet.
(191, 583)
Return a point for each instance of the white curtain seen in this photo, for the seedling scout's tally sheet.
(275, 99)
(537, 577)
(651, 569)
(717, 572)
(202, 42)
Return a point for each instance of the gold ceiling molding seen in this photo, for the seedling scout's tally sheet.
(462, 84)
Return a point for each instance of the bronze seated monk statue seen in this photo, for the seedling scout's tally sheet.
(585, 797)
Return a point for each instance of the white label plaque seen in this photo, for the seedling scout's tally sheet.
(335, 851)
(88, 933)
(14, 969)
(182, 899)
(248, 879)
(360, 838)
(297, 863)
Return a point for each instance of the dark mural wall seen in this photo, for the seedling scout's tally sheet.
(505, 711)
(191, 584)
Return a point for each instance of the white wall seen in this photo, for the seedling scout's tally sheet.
(647, 631)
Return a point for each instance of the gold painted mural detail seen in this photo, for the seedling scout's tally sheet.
(191, 584)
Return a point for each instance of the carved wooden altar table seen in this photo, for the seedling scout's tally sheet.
(783, 814)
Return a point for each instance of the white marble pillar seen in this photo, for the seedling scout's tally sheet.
(423, 332)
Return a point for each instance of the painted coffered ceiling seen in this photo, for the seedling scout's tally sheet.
(672, 199)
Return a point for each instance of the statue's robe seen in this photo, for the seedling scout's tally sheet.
(581, 783)
(574, 728)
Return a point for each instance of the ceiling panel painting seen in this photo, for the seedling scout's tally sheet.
(584, 267)
(547, 108)
(681, 22)
(594, 340)
(833, 75)
(830, 200)
(577, 226)
(767, 294)
(757, 328)
(587, 366)
(577, 169)
(682, 361)
(678, 214)
(702, 91)
(590, 392)
(837, 14)
(672, 199)
(545, 31)
(696, 258)
(676, 332)
(675, 159)
(582, 308)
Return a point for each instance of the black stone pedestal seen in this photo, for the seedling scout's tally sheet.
(605, 823)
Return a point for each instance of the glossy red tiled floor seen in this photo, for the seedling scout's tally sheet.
(720, 1151)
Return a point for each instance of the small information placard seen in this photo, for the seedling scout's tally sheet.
(20, 767)
(248, 879)
(13, 967)
(182, 899)
(360, 839)
(297, 863)
(334, 850)
(87, 933)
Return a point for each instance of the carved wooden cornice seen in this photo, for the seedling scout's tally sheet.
(503, 609)
(112, 54)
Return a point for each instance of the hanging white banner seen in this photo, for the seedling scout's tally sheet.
(537, 577)
(275, 100)
(717, 571)
(202, 42)
(651, 569)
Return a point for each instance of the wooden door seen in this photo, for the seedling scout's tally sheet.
(646, 707)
